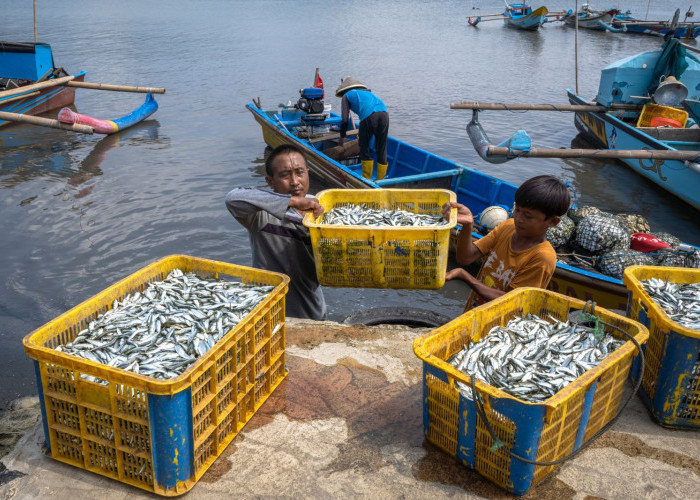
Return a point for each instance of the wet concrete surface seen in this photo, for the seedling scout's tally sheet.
(347, 422)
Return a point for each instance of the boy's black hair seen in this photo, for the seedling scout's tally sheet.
(280, 150)
(545, 193)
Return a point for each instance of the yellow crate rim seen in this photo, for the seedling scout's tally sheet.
(33, 342)
(381, 195)
(633, 277)
(584, 381)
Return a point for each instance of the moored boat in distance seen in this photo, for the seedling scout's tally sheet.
(588, 18)
(23, 64)
(683, 30)
(521, 16)
(412, 167)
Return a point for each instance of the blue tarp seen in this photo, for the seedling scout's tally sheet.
(672, 62)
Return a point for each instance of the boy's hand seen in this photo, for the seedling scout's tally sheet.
(464, 215)
(303, 204)
(456, 273)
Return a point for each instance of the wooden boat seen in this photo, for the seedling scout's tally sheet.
(521, 16)
(592, 19)
(626, 82)
(412, 167)
(150, 106)
(23, 64)
(683, 30)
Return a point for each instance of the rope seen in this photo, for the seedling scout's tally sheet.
(498, 443)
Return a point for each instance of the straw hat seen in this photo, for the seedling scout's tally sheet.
(349, 83)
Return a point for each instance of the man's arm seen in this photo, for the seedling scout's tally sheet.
(344, 114)
(245, 203)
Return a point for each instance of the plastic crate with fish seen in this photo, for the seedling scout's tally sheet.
(544, 431)
(160, 434)
(382, 256)
(671, 380)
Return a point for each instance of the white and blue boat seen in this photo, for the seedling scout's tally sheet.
(521, 16)
(626, 86)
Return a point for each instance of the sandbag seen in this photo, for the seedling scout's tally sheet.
(614, 263)
(576, 214)
(561, 233)
(600, 233)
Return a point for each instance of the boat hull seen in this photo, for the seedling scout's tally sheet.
(530, 22)
(49, 99)
(474, 189)
(608, 132)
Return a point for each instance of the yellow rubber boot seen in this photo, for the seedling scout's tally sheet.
(367, 167)
(381, 170)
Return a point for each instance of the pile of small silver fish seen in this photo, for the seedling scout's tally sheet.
(531, 358)
(362, 215)
(681, 301)
(163, 330)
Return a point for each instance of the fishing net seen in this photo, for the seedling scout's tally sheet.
(634, 223)
(576, 214)
(614, 263)
(561, 233)
(668, 238)
(601, 233)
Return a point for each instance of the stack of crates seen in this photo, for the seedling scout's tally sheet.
(382, 256)
(671, 380)
(159, 435)
(542, 432)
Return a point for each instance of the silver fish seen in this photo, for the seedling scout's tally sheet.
(163, 330)
(531, 358)
(680, 301)
(364, 215)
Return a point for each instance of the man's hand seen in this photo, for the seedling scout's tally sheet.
(303, 204)
(464, 215)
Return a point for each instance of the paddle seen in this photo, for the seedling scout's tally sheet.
(44, 122)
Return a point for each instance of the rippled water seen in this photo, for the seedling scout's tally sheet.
(80, 212)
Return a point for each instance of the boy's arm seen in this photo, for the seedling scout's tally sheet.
(466, 252)
(480, 288)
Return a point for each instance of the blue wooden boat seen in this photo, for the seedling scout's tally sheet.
(412, 167)
(521, 16)
(683, 30)
(626, 82)
(23, 64)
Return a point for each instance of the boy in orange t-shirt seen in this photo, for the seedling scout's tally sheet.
(517, 251)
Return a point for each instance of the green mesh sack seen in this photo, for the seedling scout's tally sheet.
(614, 263)
(634, 223)
(600, 233)
(576, 214)
(561, 233)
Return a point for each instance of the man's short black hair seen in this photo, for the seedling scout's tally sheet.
(545, 193)
(280, 150)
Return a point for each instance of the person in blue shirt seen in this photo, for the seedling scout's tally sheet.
(374, 121)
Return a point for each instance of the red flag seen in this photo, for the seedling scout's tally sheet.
(318, 83)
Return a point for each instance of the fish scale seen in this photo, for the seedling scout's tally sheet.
(159, 331)
(524, 358)
(680, 301)
(362, 215)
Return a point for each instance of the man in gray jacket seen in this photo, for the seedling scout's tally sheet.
(279, 240)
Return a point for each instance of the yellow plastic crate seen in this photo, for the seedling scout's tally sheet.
(382, 256)
(671, 380)
(545, 431)
(159, 435)
(651, 110)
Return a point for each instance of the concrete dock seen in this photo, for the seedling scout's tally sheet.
(347, 423)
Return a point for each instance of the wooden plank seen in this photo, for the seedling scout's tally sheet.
(644, 154)
(330, 137)
(36, 86)
(117, 88)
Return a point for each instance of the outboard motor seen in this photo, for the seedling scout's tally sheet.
(311, 102)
